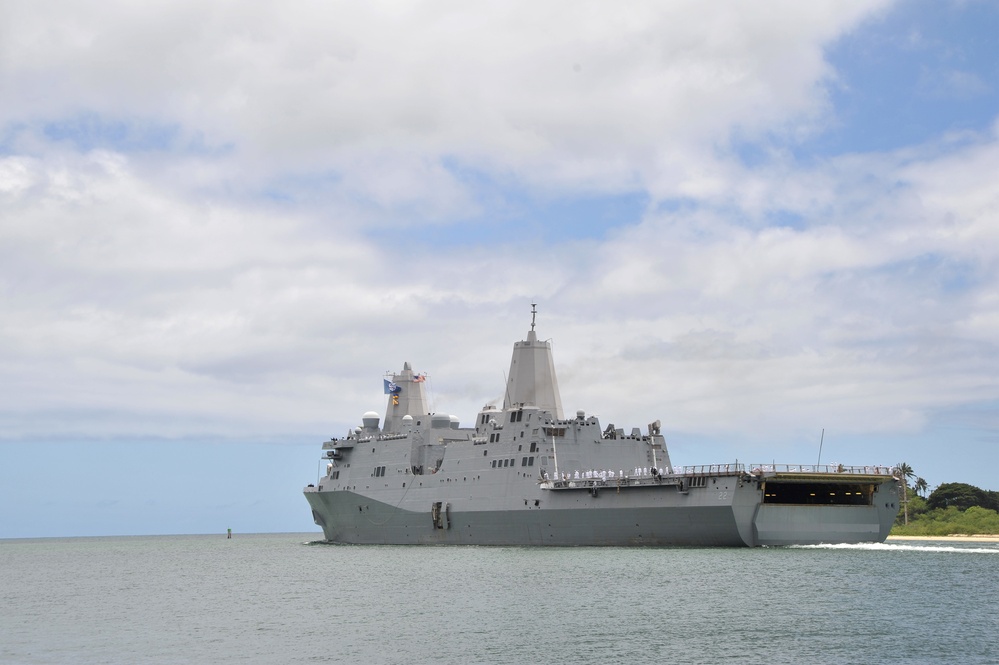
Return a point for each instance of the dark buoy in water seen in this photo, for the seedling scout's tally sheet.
(230, 534)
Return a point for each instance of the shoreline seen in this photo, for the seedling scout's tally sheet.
(982, 538)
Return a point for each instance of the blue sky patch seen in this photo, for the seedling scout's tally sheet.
(925, 69)
(511, 216)
(90, 131)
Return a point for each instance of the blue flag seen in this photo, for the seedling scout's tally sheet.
(391, 388)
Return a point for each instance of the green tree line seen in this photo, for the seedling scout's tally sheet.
(952, 508)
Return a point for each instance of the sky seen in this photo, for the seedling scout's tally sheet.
(771, 226)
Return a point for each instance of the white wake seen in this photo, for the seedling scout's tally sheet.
(974, 548)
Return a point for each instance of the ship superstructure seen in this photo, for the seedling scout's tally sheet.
(527, 475)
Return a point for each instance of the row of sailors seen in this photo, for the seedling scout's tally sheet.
(605, 474)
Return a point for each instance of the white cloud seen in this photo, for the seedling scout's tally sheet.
(572, 93)
(173, 285)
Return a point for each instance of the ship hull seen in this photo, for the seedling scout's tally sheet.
(657, 516)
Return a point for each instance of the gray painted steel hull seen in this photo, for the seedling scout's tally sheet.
(655, 516)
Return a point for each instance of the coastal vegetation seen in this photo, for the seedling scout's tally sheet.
(952, 508)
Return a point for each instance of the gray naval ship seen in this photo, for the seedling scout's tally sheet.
(527, 475)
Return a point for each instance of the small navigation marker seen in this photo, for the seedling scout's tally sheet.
(230, 534)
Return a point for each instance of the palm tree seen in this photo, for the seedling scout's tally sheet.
(920, 486)
(905, 473)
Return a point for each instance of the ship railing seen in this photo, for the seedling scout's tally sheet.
(681, 472)
(756, 469)
(709, 469)
(617, 482)
(873, 470)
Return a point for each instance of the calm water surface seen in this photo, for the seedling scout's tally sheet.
(281, 598)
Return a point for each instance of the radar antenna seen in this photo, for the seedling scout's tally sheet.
(534, 311)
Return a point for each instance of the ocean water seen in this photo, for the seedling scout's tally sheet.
(282, 598)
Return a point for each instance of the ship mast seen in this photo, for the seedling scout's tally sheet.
(532, 380)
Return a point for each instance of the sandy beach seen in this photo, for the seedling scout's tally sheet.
(983, 538)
